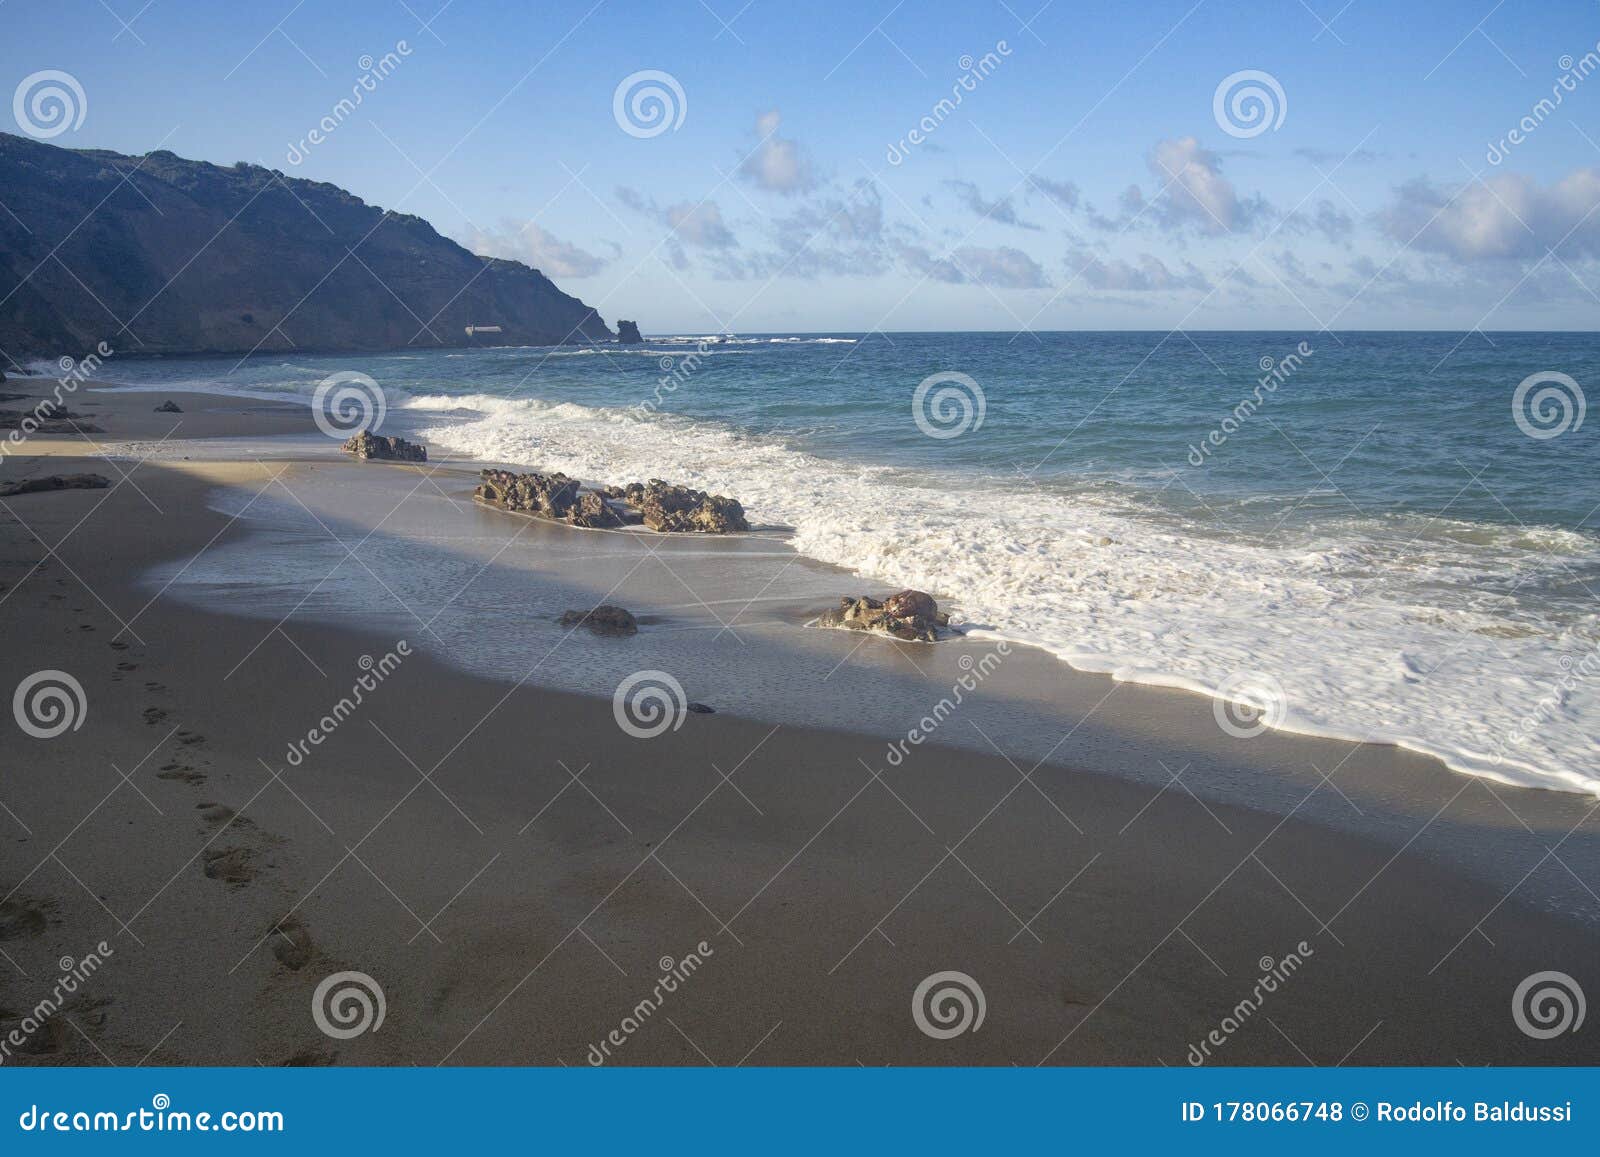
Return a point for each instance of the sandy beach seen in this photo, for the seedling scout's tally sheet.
(518, 873)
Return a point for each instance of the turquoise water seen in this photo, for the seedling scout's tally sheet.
(1349, 534)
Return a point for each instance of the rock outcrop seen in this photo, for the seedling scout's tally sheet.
(603, 620)
(54, 482)
(169, 407)
(910, 615)
(553, 496)
(47, 418)
(235, 258)
(665, 507)
(367, 446)
(628, 332)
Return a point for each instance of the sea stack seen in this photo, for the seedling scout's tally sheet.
(628, 332)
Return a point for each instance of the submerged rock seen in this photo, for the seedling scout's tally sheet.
(553, 496)
(603, 620)
(368, 446)
(665, 507)
(910, 615)
(54, 482)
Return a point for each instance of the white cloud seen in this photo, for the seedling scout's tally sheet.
(696, 223)
(1002, 210)
(778, 165)
(1196, 192)
(1506, 215)
(1002, 267)
(1151, 274)
(533, 246)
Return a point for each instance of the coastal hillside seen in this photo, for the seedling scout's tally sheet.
(158, 254)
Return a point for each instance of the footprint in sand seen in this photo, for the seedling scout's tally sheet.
(21, 916)
(127, 666)
(181, 772)
(218, 814)
(153, 715)
(291, 943)
(234, 866)
(117, 645)
(157, 688)
(188, 738)
(308, 1058)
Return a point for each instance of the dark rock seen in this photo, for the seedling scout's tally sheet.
(909, 604)
(603, 620)
(169, 407)
(628, 332)
(909, 615)
(552, 496)
(54, 482)
(665, 507)
(367, 446)
(702, 709)
(48, 418)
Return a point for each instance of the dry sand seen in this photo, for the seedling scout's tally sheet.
(514, 871)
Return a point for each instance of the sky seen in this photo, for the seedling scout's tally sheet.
(809, 168)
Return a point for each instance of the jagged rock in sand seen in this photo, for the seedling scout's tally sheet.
(628, 332)
(666, 507)
(910, 615)
(169, 407)
(552, 496)
(367, 446)
(54, 482)
(603, 620)
(47, 418)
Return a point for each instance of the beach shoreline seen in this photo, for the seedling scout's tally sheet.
(514, 868)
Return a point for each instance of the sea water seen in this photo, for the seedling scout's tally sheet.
(1377, 536)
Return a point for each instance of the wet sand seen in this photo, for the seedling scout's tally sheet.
(514, 870)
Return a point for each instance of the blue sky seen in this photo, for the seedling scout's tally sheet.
(1084, 182)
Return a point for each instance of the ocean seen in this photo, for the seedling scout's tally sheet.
(1374, 536)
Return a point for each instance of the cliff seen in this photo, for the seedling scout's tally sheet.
(158, 254)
